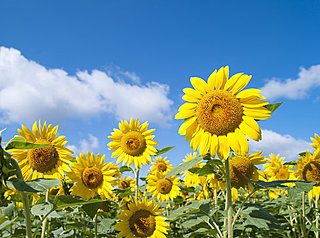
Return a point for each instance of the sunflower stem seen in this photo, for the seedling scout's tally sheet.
(25, 200)
(137, 182)
(229, 200)
(44, 223)
(96, 225)
(317, 217)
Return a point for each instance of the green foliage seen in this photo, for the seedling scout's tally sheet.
(273, 107)
(33, 186)
(164, 150)
(18, 142)
(184, 166)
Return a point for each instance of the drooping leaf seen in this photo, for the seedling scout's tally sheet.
(164, 150)
(184, 166)
(18, 142)
(33, 186)
(72, 201)
(273, 107)
(125, 169)
(91, 208)
(277, 183)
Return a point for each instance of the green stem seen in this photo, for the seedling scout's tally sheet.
(25, 200)
(304, 231)
(229, 200)
(317, 218)
(96, 225)
(240, 208)
(137, 182)
(44, 223)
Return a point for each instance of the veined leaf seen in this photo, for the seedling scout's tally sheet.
(18, 142)
(183, 167)
(164, 150)
(33, 186)
(273, 107)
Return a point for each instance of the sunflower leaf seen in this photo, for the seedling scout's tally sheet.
(125, 169)
(18, 142)
(72, 201)
(33, 186)
(164, 150)
(91, 208)
(273, 107)
(184, 166)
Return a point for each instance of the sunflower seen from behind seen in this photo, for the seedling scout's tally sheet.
(91, 176)
(142, 219)
(163, 188)
(308, 169)
(133, 143)
(219, 114)
(46, 162)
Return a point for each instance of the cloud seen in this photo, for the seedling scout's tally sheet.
(85, 145)
(293, 88)
(275, 143)
(29, 92)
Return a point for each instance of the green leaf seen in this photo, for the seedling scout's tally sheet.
(19, 142)
(302, 154)
(184, 166)
(91, 208)
(33, 186)
(258, 217)
(300, 187)
(277, 183)
(41, 209)
(125, 168)
(164, 150)
(106, 225)
(73, 226)
(8, 223)
(204, 171)
(290, 163)
(273, 107)
(72, 201)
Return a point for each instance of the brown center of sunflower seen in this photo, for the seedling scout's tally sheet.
(133, 143)
(239, 168)
(92, 177)
(43, 159)
(311, 171)
(161, 167)
(124, 184)
(164, 186)
(219, 112)
(142, 223)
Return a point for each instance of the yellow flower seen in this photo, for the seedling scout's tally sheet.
(218, 115)
(142, 219)
(273, 165)
(161, 165)
(91, 175)
(46, 162)
(126, 182)
(191, 179)
(308, 169)
(133, 143)
(244, 166)
(163, 189)
(316, 142)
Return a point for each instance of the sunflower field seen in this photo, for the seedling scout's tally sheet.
(218, 190)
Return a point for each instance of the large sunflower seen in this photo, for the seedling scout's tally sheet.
(218, 116)
(142, 219)
(308, 169)
(133, 143)
(91, 175)
(163, 188)
(46, 162)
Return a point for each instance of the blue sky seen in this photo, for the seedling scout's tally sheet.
(87, 64)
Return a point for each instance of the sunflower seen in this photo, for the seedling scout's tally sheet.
(163, 188)
(126, 182)
(91, 176)
(161, 164)
(273, 164)
(244, 166)
(316, 142)
(191, 179)
(133, 143)
(46, 162)
(308, 169)
(142, 219)
(218, 116)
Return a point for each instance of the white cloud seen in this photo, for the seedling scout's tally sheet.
(85, 145)
(29, 92)
(293, 88)
(275, 143)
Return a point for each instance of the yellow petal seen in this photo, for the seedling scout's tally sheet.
(220, 79)
(241, 83)
(205, 143)
(212, 80)
(242, 139)
(249, 131)
(187, 106)
(186, 124)
(233, 142)
(185, 114)
(199, 84)
(250, 92)
(214, 145)
(224, 148)
(252, 123)
(231, 82)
